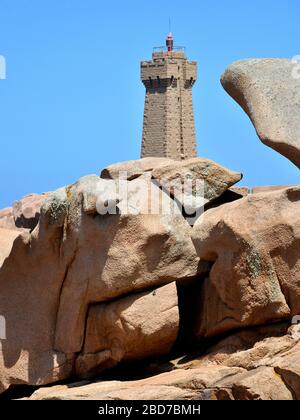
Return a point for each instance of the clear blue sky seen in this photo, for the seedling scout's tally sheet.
(72, 102)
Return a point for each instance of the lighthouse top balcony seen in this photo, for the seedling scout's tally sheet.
(164, 52)
(168, 62)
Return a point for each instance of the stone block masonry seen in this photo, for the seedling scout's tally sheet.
(169, 129)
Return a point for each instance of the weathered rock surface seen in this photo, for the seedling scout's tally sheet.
(271, 357)
(130, 328)
(270, 95)
(253, 246)
(134, 168)
(281, 354)
(74, 258)
(26, 212)
(263, 189)
(250, 348)
(98, 278)
(177, 384)
(243, 191)
(128, 253)
(259, 384)
(255, 364)
(7, 219)
(179, 179)
(7, 237)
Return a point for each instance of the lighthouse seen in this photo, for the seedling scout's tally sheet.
(169, 128)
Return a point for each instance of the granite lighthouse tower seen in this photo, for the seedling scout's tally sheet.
(169, 129)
